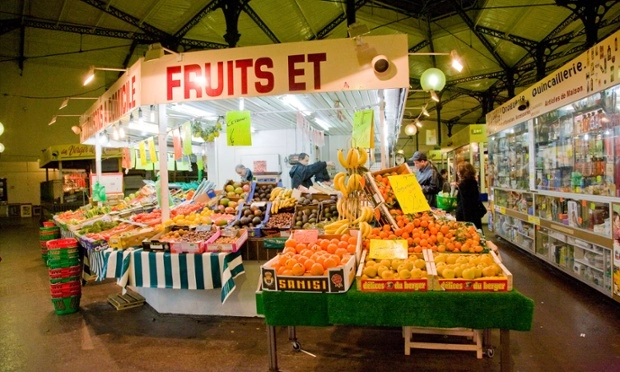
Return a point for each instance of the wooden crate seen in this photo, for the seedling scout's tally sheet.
(127, 301)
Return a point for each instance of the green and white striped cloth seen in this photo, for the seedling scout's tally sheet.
(140, 268)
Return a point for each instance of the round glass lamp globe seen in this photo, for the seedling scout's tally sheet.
(411, 130)
(1, 129)
(1, 148)
(433, 79)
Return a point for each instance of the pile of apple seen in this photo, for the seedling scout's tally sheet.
(467, 266)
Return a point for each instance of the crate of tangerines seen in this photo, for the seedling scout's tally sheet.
(313, 263)
(425, 231)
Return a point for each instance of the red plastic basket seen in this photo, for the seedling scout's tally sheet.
(48, 224)
(65, 272)
(66, 289)
(62, 243)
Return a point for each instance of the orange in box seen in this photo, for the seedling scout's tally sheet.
(378, 284)
(337, 279)
(501, 282)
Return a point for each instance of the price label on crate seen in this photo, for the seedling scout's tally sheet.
(409, 193)
(388, 249)
(533, 219)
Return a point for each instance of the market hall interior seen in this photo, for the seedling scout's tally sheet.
(574, 329)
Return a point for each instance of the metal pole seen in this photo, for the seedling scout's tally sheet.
(271, 342)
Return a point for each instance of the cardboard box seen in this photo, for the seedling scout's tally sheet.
(132, 238)
(394, 285)
(299, 211)
(338, 279)
(502, 283)
(211, 246)
(154, 244)
(371, 185)
(256, 231)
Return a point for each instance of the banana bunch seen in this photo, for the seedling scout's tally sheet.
(354, 183)
(355, 158)
(278, 203)
(280, 192)
(365, 229)
(337, 228)
(366, 215)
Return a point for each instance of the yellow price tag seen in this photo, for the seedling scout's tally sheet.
(502, 210)
(238, 128)
(363, 129)
(533, 219)
(388, 249)
(409, 193)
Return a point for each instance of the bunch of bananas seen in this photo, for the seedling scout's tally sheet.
(281, 197)
(280, 192)
(278, 204)
(356, 157)
(365, 229)
(337, 228)
(366, 215)
(354, 183)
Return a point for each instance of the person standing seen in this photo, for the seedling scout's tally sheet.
(468, 197)
(302, 173)
(444, 179)
(428, 177)
(244, 173)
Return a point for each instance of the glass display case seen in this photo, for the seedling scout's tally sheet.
(588, 262)
(575, 146)
(508, 154)
(515, 230)
(588, 215)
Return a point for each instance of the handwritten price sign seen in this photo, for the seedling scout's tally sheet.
(388, 249)
(409, 193)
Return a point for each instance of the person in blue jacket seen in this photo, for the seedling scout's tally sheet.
(302, 173)
(428, 177)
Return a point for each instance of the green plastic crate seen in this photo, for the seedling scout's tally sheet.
(66, 305)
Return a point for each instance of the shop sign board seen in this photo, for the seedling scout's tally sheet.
(122, 97)
(593, 71)
(267, 70)
(76, 152)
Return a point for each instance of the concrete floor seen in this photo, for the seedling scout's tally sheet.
(575, 328)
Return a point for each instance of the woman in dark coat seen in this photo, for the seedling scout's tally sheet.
(468, 197)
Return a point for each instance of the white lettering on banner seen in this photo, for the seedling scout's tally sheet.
(110, 108)
(217, 79)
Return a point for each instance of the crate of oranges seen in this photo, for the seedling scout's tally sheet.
(314, 263)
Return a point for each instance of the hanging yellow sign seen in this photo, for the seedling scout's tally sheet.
(152, 151)
(388, 249)
(142, 149)
(409, 193)
(363, 129)
(186, 134)
(238, 128)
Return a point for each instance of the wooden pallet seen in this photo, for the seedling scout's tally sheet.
(127, 301)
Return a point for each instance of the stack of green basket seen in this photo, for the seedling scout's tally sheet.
(47, 233)
(63, 260)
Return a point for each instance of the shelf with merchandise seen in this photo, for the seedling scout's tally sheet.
(509, 158)
(587, 262)
(588, 217)
(575, 146)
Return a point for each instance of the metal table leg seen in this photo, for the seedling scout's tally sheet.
(273, 353)
(504, 344)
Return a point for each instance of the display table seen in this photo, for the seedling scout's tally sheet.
(477, 310)
(139, 268)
